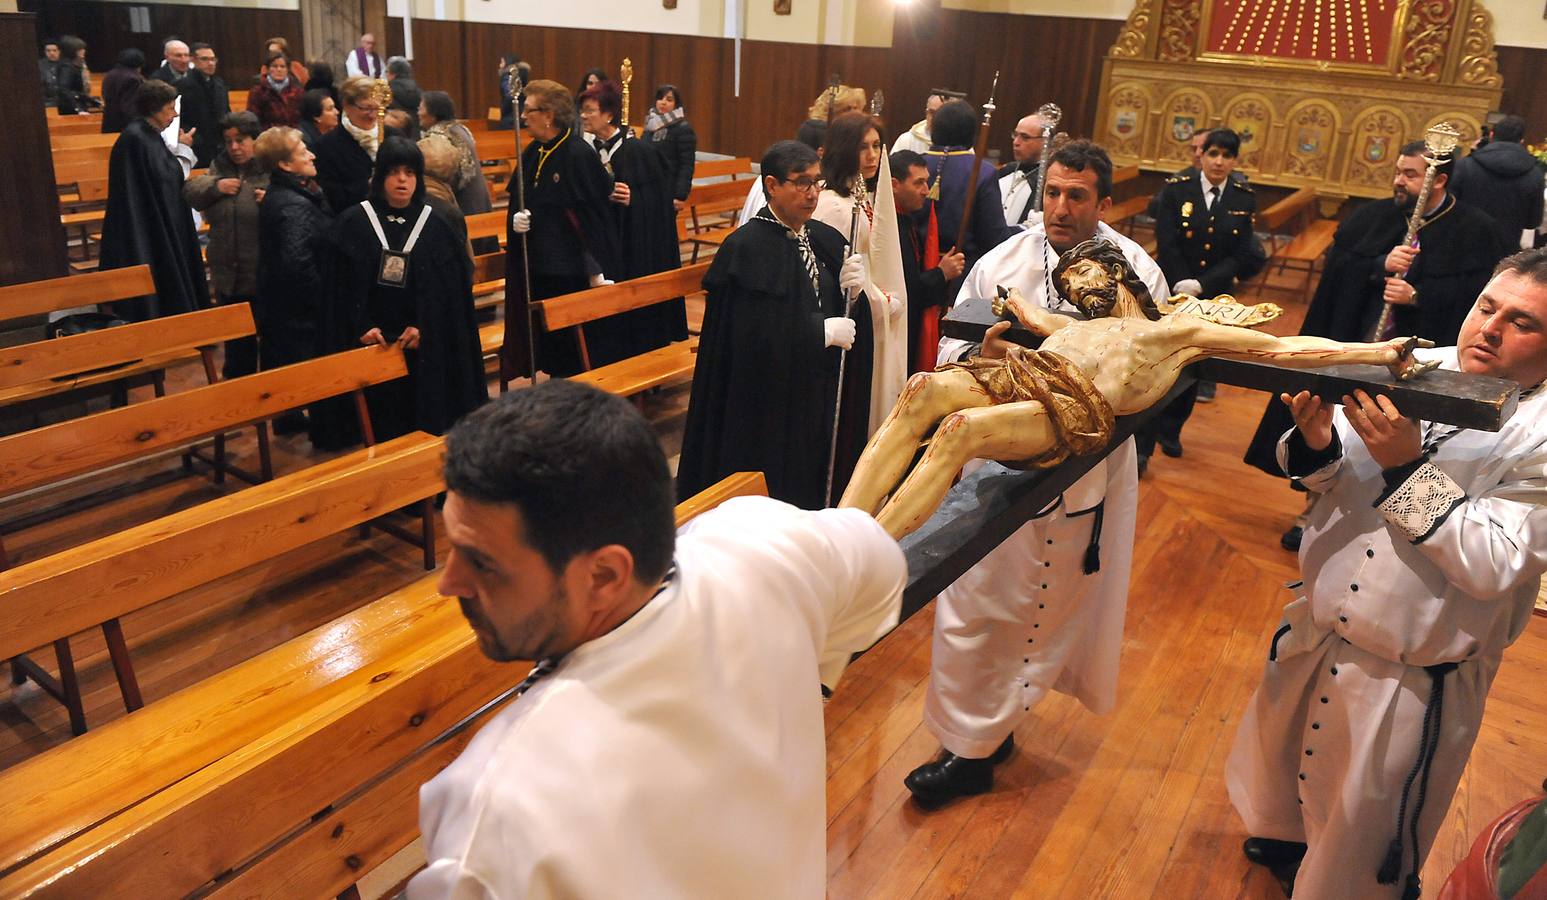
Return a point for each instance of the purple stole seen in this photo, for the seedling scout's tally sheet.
(368, 65)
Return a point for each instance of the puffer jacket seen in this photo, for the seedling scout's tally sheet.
(233, 224)
(1503, 180)
(295, 256)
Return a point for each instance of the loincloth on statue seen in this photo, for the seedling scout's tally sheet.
(1081, 417)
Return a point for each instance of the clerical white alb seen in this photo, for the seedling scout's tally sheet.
(1443, 569)
(1029, 618)
(683, 753)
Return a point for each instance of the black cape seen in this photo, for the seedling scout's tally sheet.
(648, 227)
(764, 387)
(344, 168)
(574, 232)
(926, 287)
(445, 374)
(1458, 248)
(147, 222)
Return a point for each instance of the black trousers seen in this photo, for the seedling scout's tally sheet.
(241, 353)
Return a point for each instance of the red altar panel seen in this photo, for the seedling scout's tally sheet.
(1336, 31)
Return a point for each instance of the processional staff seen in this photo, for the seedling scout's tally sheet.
(625, 75)
(1050, 115)
(381, 92)
(978, 153)
(524, 322)
(1438, 143)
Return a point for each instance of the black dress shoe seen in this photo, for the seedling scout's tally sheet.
(290, 423)
(1144, 464)
(1282, 858)
(951, 776)
(1170, 446)
(1291, 540)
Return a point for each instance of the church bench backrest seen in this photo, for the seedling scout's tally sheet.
(71, 591)
(56, 452)
(68, 173)
(38, 297)
(611, 299)
(1275, 217)
(80, 141)
(495, 144)
(388, 684)
(719, 168)
(90, 156)
(720, 192)
(489, 224)
(53, 358)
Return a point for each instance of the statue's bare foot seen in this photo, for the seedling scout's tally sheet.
(1406, 368)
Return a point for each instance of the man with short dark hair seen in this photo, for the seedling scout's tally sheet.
(206, 101)
(669, 740)
(405, 90)
(776, 325)
(1431, 283)
(1421, 562)
(48, 69)
(1044, 610)
(1503, 179)
(927, 273)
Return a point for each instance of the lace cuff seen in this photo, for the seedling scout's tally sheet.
(1421, 502)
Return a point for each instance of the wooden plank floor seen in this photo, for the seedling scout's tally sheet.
(1130, 804)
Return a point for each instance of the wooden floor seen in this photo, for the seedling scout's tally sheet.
(1130, 804)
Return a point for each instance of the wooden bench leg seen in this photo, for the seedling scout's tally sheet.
(427, 531)
(158, 382)
(70, 686)
(350, 893)
(220, 458)
(265, 461)
(123, 666)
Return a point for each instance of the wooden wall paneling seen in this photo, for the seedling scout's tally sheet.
(235, 33)
(29, 231)
(1525, 71)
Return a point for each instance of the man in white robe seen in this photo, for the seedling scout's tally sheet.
(670, 740)
(1043, 611)
(919, 138)
(1421, 564)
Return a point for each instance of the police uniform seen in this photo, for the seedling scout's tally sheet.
(1212, 244)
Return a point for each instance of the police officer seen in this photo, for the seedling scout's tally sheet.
(1205, 245)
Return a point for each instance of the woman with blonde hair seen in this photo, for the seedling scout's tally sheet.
(831, 103)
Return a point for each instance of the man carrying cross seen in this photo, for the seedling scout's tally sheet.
(1421, 563)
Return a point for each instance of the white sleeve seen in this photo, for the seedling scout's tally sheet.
(839, 565)
(446, 879)
(349, 64)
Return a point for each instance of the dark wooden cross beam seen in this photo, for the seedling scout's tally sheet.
(986, 507)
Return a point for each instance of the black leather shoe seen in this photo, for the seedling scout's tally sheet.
(290, 423)
(951, 776)
(1144, 464)
(1282, 858)
(1291, 541)
(1170, 446)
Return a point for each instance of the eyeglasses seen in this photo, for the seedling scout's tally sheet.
(804, 185)
(373, 109)
(204, 59)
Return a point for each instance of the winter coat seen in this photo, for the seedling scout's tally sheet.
(1503, 180)
(233, 224)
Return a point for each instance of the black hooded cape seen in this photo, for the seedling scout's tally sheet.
(648, 228)
(147, 222)
(445, 374)
(764, 387)
(1458, 248)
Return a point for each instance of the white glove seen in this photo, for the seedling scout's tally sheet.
(838, 331)
(1188, 286)
(521, 222)
(598, 279)
(852, 277)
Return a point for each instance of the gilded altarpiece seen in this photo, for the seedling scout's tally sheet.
(1322, 92)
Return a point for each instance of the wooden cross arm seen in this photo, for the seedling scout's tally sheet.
(1449, 397)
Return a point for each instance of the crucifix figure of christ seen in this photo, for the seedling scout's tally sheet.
(1036, 408)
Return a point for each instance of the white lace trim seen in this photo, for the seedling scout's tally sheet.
(1420, 504)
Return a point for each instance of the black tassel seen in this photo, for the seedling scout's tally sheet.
(1093, 549)
(1391, 867)
(1414, 888)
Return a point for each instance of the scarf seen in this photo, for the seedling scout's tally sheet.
(365, 138)
(368, 65)
(278, 86)
(655, 123)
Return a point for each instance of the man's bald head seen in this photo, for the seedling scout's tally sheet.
(1026, 142)
(176, 53)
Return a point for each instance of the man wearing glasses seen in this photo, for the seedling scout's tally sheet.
(1018, 178)
(777, 323)
(205, 101)
(346, 155)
